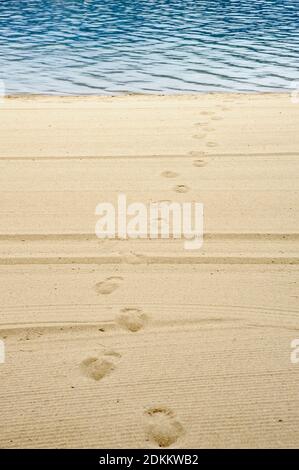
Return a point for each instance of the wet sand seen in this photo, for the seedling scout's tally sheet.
(141, 343)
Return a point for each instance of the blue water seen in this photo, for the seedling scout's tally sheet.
(106, 46)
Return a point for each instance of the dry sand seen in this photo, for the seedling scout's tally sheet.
(124, 344)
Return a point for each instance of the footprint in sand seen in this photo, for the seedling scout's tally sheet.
(216, 118)
(199, 136)
(96, 368)
(208, 129)
(109, 285)
(199, 163)
(162, 426)
(132, 319)
(211, 144)
(181, 188)
(169, 174)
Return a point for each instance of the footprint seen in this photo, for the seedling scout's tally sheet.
(97, 367)
(211, 144)
(162, 426)
(108, 286)
(132, 319)
(216, 118)
(207, 113)
(181, 188)
(208, 129)
(169, 174)
(199, 136)
(199, 163)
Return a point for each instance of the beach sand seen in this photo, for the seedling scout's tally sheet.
(141, 343)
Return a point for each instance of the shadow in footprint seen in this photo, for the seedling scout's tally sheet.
(212, 144)
(98, 367)
(199, 163)
(169, 174)
(199, 136)
(108, 286)
(132, 319)
(207, 113)
(162, 426)
(181, 188)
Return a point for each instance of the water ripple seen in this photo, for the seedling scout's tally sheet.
(106, 46)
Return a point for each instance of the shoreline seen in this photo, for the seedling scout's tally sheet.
(144, 95)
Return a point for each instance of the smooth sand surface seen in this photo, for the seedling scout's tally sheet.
(140, 343)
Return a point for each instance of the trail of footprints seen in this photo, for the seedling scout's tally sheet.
(206, 128)
(161, 425)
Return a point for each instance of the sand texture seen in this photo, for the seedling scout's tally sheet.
(141, 343)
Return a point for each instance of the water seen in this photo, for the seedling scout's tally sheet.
(106, 46)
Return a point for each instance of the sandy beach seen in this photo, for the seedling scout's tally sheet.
(141, 343)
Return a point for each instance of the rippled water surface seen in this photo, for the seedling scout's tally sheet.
(106, 46)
